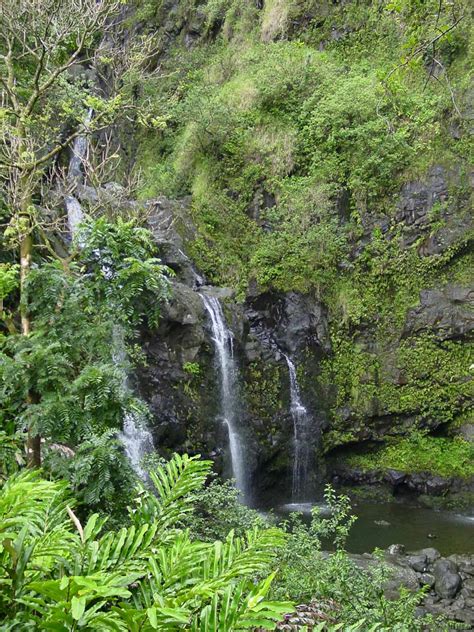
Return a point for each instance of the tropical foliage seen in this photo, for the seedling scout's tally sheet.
(58, 574)
(67, 380)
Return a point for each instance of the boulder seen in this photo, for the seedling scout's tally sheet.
(447, 579)
(394, 477)
(396, 549)
(431, 555)
(418, 562)
(400, 577)
(427, 579)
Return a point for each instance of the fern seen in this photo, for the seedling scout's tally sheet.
(62, 381)
(174, 483)
(56, 574)
(11, 456)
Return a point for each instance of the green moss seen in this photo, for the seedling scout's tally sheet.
(263, 391)
(421, 378)
(293, 154)
(442, 456)
(460, 501)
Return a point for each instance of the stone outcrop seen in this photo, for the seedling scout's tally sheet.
(290, 322)
(395, 480)
(433, 199)
(447, 311)
(450, 581)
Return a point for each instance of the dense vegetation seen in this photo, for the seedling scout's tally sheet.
(291, 133)
(154, 574)
(295, 126)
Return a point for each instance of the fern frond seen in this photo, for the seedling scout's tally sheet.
(174, 482)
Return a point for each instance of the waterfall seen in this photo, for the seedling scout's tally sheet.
(302, 439)
(136, 440)
(135, 436)
(229, 397)
(75, 214)
(79, 150)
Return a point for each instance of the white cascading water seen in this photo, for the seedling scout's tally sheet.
(79, 150)
(75, 214)
(137, 441)
(135, 436)
(229, 398)
(302, 440)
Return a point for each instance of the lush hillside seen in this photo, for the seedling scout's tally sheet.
(240, 229)
(327, 149)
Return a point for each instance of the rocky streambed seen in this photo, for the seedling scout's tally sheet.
(449, 582)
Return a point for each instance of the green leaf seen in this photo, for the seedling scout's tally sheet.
(152, 618)
(78, 605)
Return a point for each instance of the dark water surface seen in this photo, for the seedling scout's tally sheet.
(408, 524)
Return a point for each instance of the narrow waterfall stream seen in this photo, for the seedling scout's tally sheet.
(229, 396)
(75, 214)
(137, 441)
(135, 436)
(79, 150)
(302, 441)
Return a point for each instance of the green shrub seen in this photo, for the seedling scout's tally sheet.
(344, 594)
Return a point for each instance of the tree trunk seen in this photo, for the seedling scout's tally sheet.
(26, 252)
(33, 443)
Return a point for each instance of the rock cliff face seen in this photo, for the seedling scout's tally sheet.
(180, 383)
(181, 386)
(333, 229)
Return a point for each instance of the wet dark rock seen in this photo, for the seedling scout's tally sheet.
(466, 431)
(427, 201)
(420, 483)
(436, 485)
(466, 567)
(396, 549)
(291, 321)
(430, 554)
(447, 579)
(468, 585)
(450, 594)
(427, 579)
(395, 477)
(401, 577)
(418, 562)
(171, 225)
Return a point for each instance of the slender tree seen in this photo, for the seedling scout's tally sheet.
(46, 46)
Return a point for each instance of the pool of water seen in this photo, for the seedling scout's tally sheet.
(382, 524)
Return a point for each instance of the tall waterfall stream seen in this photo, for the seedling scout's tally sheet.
(135, 436)
(229, 395)
(75, 214)
(302, 444)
